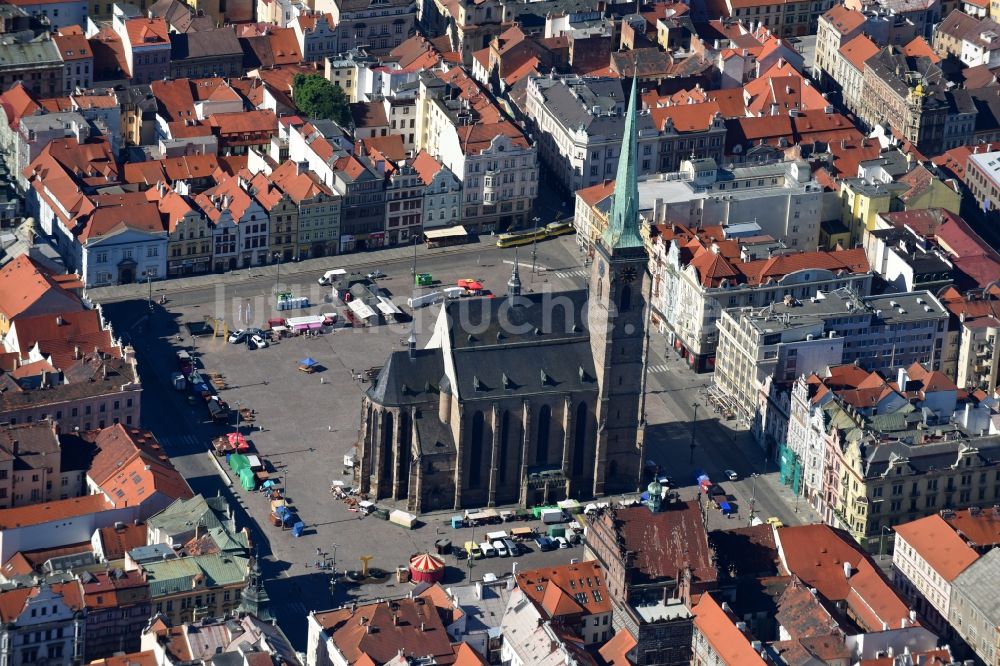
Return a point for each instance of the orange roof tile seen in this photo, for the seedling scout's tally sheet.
(426, 166)
(37, 514)
(570, 589)
(147, 32)
(685, 117)
(918, 47)
(130, 467)
(615, 651)
(845, 20)
(146, 658)
(817, 553)
(937, 543)
(28, 289)
(17, 102)
(719, 629)
(858, 51)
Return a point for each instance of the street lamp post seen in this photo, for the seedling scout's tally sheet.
(277, 273)
(881, 541)
(753, 496)
(149, 283)
(534, 245)
(414, 269)
(694, 424)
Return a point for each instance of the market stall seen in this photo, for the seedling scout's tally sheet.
(426, 568)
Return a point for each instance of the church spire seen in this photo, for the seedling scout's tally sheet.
(255, 599)
(514, 283)
(623, 223)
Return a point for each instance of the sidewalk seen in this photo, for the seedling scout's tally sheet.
(395, 254)
(801, 508)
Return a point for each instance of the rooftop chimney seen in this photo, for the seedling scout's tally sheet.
(847, 569)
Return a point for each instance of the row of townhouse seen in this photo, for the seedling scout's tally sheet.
(869, 452)
(270, 212)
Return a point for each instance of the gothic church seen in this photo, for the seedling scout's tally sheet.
(527, 399)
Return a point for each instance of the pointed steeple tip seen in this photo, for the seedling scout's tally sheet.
(623, 223)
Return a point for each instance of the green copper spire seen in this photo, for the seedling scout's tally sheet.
(623, 225)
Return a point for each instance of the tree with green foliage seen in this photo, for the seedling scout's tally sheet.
(316, 97)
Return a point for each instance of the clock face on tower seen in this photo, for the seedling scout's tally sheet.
(628, 274)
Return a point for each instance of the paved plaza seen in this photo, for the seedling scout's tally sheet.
(305, 424)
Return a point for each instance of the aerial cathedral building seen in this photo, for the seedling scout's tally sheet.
(526, 399)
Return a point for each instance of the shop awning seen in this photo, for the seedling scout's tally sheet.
(457, 231)
(360, 309)
(387, 307)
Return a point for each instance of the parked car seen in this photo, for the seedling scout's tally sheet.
(512, 547)
(544, 543)
(257, 342)
(241, 335)
(775, 522)
(376, 275)
(501, 548)
(561, 541)
(731, 475)
(488, 549)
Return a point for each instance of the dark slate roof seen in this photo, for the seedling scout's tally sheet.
(518, 370)
(895, 68)
(433, 436)
(571, 101)
(206, 44)
(408, 381)
(927, 457)
(542, 317)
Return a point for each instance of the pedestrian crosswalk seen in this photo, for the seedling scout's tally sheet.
(577, 272)
(181, 443)
(662, 367)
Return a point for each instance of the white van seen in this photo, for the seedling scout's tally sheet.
(501, 548)
(487, 549)
(331, 275)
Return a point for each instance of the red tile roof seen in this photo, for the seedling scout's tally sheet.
(858, 51)
(108, 220)
(379, 631)
(844, 20)
(130, 467)
(17, 103)
(817, 554)
(147, 32)
(719, 629)
(666, 542)
(685, 117)
(476, 138)
(615, 651)
(27, 289)
(571, 589)
(596, 193)
(300, 185)
(244, 122)
(937, 543)
(918, 47)
(146, 658)
(116, 541)
(426, 166)
(37, 514)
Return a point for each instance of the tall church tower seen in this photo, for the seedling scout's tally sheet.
(618, 315)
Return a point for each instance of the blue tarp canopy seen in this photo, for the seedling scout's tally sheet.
(726, 508)
(283, 513)
(308, 362)
(298, 528)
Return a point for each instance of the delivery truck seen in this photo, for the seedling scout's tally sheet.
(425, 299)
